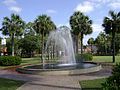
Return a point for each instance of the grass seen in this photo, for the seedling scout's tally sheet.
(105, 59)
(34, 60)
(92, 84)
(8, 84)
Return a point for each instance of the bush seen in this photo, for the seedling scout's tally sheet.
(84, 57)
(10, 60)
(113, 82)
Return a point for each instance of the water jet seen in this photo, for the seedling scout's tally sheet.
(59, 57)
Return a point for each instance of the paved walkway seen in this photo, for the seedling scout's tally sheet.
(37, 82)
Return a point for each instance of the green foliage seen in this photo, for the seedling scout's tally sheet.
(84, 57)
(80, 25)
(13, 26)
(90, 41)
(111, 26)
(113, 82)
(10, 60)
(43, 24)
(28, 44)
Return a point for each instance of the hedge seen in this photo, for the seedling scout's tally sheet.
(10, 60)
(84, 57)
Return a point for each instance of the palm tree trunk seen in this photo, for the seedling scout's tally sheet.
(113, 45)
(13, 44)
(76, 44)
(42, 48)
(81, 43)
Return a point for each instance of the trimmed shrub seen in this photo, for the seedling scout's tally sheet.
(113, 82)
(10, 60)
(84, 57)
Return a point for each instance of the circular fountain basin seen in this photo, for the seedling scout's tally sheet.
(60, 69)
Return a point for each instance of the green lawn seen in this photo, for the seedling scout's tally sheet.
(105, 59)
(34, 60)
(92, 84)
(8, 84)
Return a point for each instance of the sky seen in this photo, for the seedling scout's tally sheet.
(60, 11)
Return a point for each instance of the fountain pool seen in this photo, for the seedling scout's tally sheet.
(59, 47)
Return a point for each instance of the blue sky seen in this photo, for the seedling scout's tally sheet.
(60, 11)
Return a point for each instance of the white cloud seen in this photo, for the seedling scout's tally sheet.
(85, 7)
(115, 5)
(51, 11)
(97, 28)
(67, 24)
(12, 6)
(9, 2)
(101, 1)
(15, 9)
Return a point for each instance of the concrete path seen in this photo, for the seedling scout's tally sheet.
(37, 82)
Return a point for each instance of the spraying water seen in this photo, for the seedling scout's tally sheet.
(61, 41)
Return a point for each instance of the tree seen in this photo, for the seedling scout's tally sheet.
(101, 43)
(28, 44)
(13, 26)
(91, 42)
(29, 29)
(81, 25)
(112, 26)
(43, 25)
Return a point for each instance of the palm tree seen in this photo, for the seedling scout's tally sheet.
(81, 25)
(29, 30)
(91, 42)
(13, 26)
(112, 26)
(43, 25)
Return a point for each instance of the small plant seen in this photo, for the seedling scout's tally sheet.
(113, 82)
(10, 60)
(84, 57)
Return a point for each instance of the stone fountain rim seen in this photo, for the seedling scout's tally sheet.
(59, 71)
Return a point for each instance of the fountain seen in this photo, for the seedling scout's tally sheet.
(59, 47)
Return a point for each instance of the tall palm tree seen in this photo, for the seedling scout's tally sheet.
(112, 26)
(43, 25)
(91, 42)
(81, 25)
(13, 26)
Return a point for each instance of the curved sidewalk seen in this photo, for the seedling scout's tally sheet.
(36, 82)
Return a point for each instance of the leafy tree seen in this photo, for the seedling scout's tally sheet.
(13, 26)
(101, 42)
(43, 25)
(9, 47)
(112, 26)
(81, 25)
(91, 42)
(28, 44)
